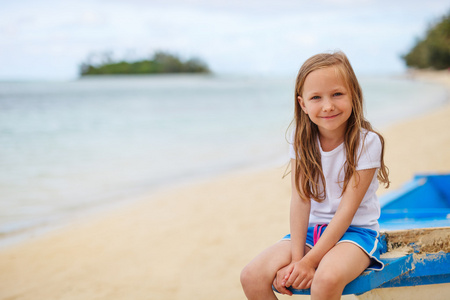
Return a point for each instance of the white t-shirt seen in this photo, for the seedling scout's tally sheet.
(333, 169)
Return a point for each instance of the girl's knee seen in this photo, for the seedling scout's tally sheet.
(262, 269)
(327, 283)
(246, 276)
(254, 283)
(257, 277)
(249, 276)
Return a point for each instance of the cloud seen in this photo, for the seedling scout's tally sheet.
(232, 36)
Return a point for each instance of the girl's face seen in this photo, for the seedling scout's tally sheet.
(327, 101)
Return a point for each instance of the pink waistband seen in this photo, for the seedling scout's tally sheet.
(318, 231)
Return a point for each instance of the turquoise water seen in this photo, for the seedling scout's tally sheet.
(67, 147)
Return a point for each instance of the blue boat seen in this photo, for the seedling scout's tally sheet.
(424, 202)
(415, 233)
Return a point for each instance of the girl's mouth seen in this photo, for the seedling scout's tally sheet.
(330, 117)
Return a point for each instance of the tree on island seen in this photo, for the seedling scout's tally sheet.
(434, 50)
(160, 63)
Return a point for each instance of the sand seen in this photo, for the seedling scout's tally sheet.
(192, 241)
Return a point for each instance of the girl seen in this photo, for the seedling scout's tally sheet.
(336, 162)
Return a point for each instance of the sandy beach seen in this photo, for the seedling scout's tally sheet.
(192, 242)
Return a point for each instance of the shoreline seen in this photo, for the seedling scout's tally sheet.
(441, 77)
(193, 240)
(24, 234)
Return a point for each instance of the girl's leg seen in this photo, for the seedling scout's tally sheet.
(257, 277)
(343, 263)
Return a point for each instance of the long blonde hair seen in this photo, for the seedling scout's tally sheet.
(308, 166)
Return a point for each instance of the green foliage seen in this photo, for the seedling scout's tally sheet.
(161, 62)
(434, 50)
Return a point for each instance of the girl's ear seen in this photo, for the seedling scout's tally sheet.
(302, 104)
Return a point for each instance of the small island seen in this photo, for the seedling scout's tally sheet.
(160, 63)
(433, 51)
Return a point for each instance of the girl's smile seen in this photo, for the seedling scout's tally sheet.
(330, 117)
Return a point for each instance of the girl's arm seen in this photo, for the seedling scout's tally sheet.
(299, 219)
(303, 272)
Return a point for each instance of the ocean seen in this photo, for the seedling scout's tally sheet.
(67, 148)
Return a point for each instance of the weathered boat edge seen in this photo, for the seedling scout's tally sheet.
(413, 257)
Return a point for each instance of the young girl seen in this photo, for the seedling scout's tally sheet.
(336, 163)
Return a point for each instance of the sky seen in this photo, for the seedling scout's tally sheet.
(48, 40)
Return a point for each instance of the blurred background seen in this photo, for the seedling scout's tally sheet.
(219, 97)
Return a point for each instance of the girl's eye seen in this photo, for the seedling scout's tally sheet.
(315, 98)
(337, 94)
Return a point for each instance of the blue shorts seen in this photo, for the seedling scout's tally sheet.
(366, 239)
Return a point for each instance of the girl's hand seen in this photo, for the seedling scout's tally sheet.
(301, 275)
(280, 279)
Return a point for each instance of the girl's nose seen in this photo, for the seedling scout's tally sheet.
(328, 105)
